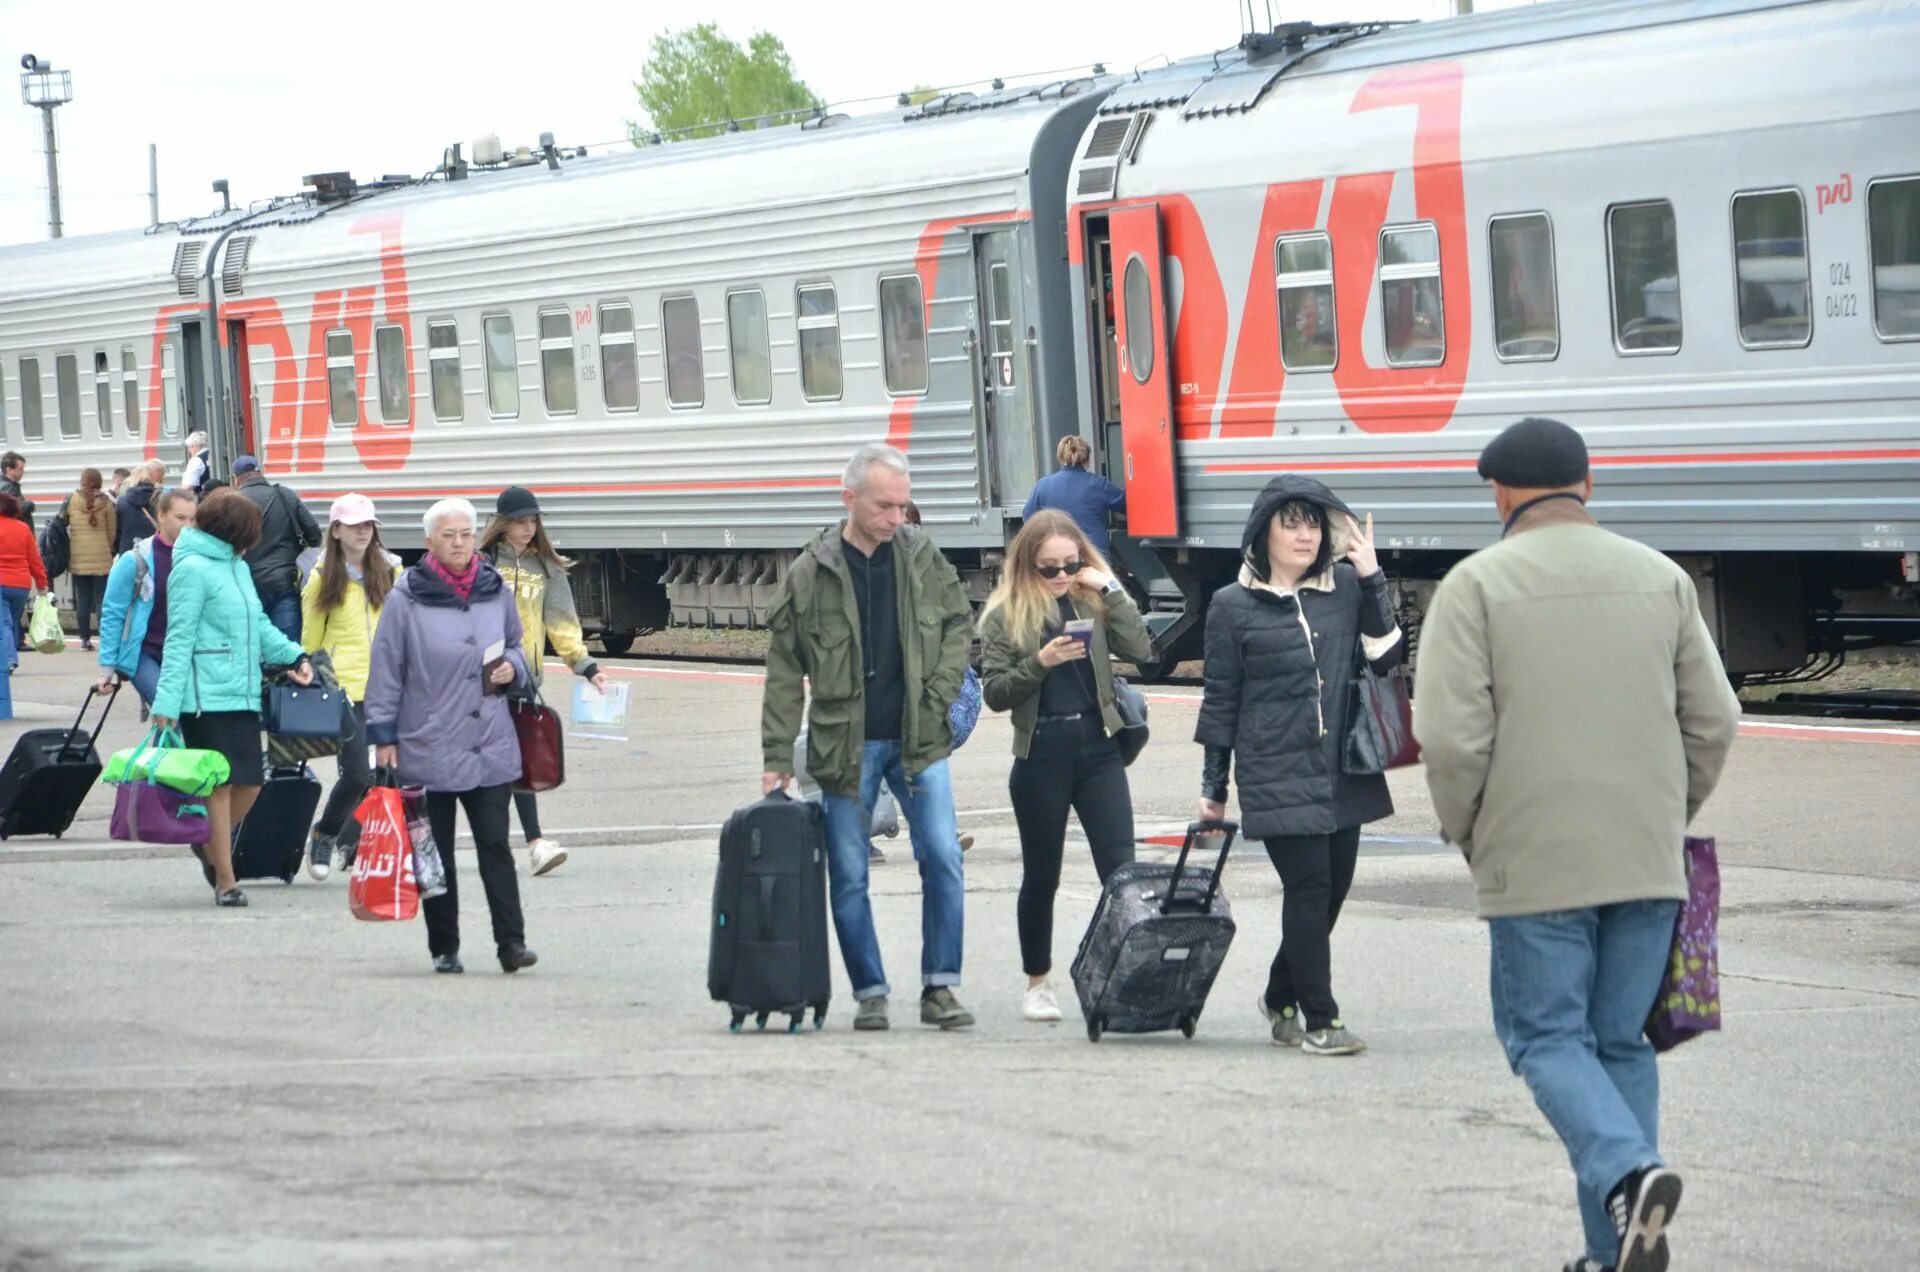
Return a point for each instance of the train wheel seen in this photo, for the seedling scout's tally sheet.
(617, 642)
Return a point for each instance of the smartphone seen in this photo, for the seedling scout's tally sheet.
(1081, 629)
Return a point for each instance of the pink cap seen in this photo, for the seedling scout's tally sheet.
(352, 510)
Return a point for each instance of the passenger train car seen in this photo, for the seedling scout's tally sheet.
(1690, 229)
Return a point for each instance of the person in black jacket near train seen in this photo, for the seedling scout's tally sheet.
(1283, 646)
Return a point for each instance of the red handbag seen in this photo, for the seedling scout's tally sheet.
(543, 759)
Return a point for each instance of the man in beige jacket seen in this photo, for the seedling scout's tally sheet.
(1573, 715)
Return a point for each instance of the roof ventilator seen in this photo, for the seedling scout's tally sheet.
(186, 266)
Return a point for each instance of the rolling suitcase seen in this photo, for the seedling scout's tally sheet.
(49, 774)
(272, 841)
(1157, 939)
(768, 951)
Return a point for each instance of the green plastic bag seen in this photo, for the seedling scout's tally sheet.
(164, 757)
(44, 632)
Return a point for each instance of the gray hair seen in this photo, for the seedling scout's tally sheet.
(449, 508)
(153, 470)
(196, 441)
(861, 466)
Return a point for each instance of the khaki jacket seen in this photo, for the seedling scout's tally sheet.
(1011, 673)
(91, 546)
(1572, 713)
(815, 622)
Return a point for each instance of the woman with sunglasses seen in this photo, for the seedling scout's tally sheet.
(1047, 635)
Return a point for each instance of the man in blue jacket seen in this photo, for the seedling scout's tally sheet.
(1085, 496)
(133, 615)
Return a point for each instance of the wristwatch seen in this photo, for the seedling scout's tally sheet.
(1112, 588)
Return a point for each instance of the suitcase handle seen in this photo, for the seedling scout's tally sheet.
(99, 725)
(767, 882)
(1228, 831)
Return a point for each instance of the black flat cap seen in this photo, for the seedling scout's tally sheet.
(1535, 454)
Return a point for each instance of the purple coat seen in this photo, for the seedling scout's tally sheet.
(424, 693)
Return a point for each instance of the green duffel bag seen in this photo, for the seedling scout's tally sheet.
(164, 757)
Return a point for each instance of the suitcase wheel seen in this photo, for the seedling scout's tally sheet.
(819, 1015)
(733, 1026)
(1096, 1025)
(795, 1021)
(1187, 1024)
(760, 1020)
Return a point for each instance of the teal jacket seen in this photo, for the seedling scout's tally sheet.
(217, 634)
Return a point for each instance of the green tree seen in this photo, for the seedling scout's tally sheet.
(695, 80)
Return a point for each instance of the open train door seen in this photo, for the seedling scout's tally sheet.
(1145, 373)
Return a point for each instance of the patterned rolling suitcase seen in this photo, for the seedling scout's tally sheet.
(768, 951)
(49, 774)
(1156, 942)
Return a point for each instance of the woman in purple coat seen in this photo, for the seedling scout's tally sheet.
(445, 653)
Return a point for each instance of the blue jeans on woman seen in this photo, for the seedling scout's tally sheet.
(16, 602)
(927, 801)
(1571, 994)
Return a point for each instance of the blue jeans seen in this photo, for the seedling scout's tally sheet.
(283, 611)
(1571, 993)
(16, 601)
(927, 801)
(146, 677)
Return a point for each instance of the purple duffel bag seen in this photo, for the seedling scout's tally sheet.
(1689, 1001)
(146, 813)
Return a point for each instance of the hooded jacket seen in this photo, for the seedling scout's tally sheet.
(1280, 671)
(424, 693)
(92, 540)
(544, 597)
(217, 635)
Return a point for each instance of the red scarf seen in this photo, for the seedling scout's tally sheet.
(462, 583)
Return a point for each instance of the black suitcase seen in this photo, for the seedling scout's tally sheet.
(49, 774)
(272, 841)
(769, 946)
(1156, 942)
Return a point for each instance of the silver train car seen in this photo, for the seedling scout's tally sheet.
(1692, 230)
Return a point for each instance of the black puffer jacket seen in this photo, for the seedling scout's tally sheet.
(1279, 690)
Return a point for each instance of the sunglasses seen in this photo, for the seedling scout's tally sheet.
(1055, 571)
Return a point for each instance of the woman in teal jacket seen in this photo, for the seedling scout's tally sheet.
(217, 639)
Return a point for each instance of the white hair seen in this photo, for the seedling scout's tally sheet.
(449, 508)
(861, 466)
(196, 441)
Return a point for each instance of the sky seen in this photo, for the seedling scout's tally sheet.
(384, 86)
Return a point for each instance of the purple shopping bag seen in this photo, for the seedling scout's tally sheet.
(1689, 1001)
(149, 814)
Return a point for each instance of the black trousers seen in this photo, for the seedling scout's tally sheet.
(1071, 764)
(528, 806)
(88, 591)
(1315, 873)
(487, 817)
(356, 779)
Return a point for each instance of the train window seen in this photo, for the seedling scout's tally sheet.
(66, 384)
(752, 358)
(686, 362)
(1303, 278)
(619, 362)
(503, 366)
(819, 325)
(169, 393)
(32, 426)
(1643, 258)
(556, 362)
(1410, 303)
(1770, 269)
(103, 392)
(1893, 218)
(390, 357)
(903, 334)
(1000, 323)
(130, 387)
(1137, 296)
(1526, 302)
(443, 365)
(343, 394)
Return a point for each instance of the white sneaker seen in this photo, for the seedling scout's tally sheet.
(1040, 1004)
(546, 855)
(319, 854)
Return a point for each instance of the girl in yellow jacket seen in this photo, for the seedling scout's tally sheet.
(340, 607)
(517, 543)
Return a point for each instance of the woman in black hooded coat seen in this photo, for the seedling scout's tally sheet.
(1284, 644)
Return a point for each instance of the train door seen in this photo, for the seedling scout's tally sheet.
(241, 406)
(1144, 368)
(1004, 367)
(193, 384)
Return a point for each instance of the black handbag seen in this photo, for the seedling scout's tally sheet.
(1380, 723)
(1132, 706)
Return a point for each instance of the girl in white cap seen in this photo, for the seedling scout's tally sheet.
(340, 607)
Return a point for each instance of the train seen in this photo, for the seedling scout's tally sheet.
(1691, 230)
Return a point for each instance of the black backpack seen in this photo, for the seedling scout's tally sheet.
(56, 547)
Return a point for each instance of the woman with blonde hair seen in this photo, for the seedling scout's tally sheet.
(1086, 496)
(1047, 636)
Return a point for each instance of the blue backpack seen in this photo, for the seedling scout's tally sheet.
(965, 711)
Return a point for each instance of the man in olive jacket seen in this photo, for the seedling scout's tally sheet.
(1574, 716)
(876, 620)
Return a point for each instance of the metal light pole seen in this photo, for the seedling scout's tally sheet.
(43, 87)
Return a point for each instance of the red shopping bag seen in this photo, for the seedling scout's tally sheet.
(383, 887)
